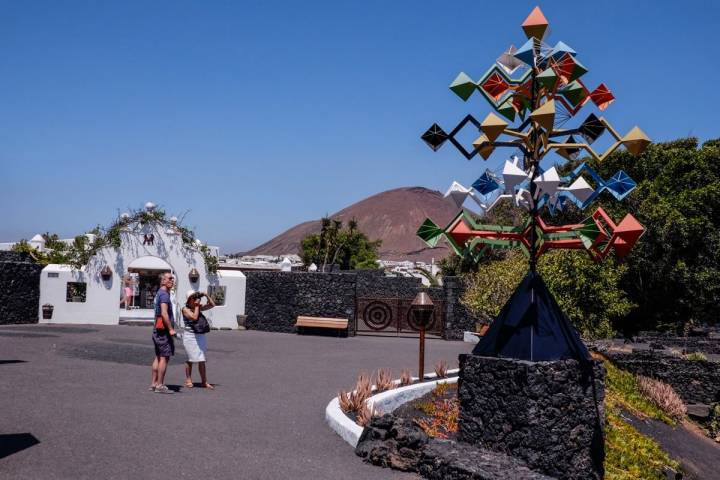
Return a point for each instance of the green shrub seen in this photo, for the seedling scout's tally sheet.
(695, 356)
(714, 422)
(588, 292)
(629, 455)
(622, 391)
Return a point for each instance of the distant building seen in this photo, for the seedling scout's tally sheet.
(260, 263)
(419, 270)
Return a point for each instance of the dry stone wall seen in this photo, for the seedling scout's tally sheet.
(20, 287)
(550, 414)
(708, 343)
(696, 381)
(274, 300)
(457, 317)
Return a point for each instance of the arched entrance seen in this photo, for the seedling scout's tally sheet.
(142, 280)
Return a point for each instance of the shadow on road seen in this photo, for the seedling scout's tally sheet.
(15, 442)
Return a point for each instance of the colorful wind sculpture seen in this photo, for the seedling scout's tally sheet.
(540, 88)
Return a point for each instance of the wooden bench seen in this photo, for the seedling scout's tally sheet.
(303, 324)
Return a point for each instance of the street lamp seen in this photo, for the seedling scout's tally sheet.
(422, 310)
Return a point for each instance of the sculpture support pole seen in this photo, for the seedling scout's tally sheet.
(532, 162)
(421, 366)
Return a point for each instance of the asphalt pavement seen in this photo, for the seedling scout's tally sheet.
(74, 404)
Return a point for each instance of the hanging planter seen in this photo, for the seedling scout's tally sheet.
(106, 273)
(194, 275)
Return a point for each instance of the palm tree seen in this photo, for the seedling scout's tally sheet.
(333, 227)
(325, 225)
(352, 225)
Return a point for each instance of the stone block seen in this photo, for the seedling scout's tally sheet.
(550, 414)
(20, 284)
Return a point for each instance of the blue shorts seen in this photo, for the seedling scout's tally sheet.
(164, 344)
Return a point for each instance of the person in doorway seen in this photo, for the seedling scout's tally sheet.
(194, 340)
(163, 334)
(127, 290)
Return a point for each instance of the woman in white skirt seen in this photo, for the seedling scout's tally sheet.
(194, 340)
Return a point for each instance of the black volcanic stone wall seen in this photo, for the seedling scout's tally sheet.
(274, 300)
(705, 344)
(457, 317)
(549, 414)
(696, 381)
(373, 283)
(20, 287)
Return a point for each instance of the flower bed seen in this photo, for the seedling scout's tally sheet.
(436, 412)
(402, 391)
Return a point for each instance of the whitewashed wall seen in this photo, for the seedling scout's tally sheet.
(102, 305)
(103, 297)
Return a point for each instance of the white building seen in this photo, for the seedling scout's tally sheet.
(406, 268)
(93, 294)
(269, 263)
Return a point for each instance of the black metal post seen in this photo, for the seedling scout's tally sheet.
(421, 366)
(531, 162)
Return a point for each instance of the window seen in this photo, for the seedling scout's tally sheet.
(53, 275)
(217, 293)
(76, 292)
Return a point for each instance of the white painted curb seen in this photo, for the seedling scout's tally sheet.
(471, 337)
(341, 423)
(384, 402)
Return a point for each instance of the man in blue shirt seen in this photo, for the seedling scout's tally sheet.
(163, 333)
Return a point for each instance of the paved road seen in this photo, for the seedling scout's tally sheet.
(697, 453)
(82, 393)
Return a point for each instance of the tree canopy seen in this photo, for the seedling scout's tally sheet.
(335, 244)
(670, 280)
(589, 293)
(674, 270)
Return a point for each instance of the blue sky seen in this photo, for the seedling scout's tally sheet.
(256, 115)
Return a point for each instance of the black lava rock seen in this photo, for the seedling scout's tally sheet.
(549, 414)
(20, 284)
(400, 444)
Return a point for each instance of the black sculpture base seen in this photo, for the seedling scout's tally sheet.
(549, 414)
(531, 326)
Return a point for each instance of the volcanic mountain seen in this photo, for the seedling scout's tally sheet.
(392, 216)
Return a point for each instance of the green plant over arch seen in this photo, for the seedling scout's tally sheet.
(79, 253)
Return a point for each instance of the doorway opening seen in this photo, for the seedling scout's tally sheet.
(139, 286)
